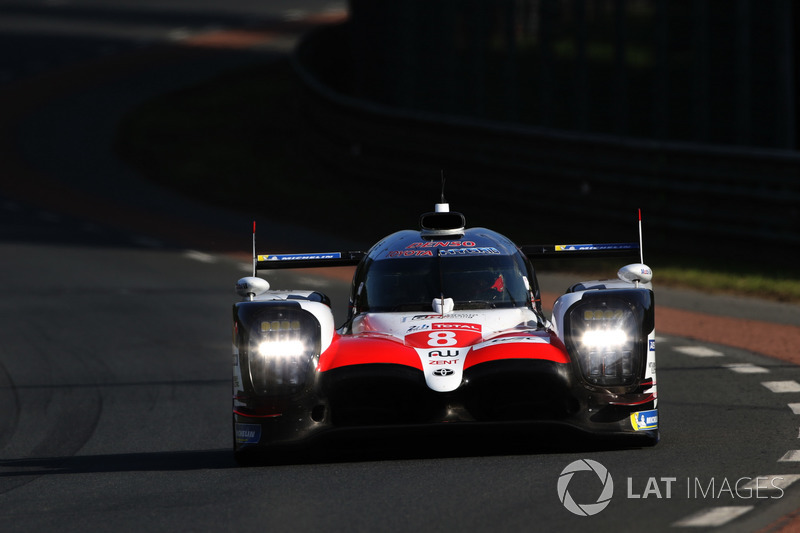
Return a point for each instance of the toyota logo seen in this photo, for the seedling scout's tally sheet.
(443, 372)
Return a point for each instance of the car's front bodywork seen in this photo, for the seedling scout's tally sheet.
(445, 327)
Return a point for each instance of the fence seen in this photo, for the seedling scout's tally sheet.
(697, 197)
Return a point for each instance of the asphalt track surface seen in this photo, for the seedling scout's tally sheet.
(115, 337)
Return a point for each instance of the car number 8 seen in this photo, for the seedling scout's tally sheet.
(442, 338)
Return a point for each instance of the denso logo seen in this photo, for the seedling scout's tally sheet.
(440, 244)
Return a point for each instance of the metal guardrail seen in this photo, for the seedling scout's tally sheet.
(709, 195)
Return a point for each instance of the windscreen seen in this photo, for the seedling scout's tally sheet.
(473, 282)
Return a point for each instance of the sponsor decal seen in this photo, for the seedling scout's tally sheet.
(469, 251)
(409, 253)
(441, 244)
(652, 344)
(642, 420)
(248, 433)
(300, 257)
(444, 353)
(456, 325)
(461, 316)
(582, 247)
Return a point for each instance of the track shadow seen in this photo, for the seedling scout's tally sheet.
(125, 462)
(449, 443)
(339, 448)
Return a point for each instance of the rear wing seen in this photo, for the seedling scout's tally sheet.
(311, 260)
(569, 251)
(533, 251)
(564, 251)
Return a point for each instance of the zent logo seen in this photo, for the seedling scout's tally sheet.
(587, 509)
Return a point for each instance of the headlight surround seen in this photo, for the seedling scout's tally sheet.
(283, 344)
(604, 336)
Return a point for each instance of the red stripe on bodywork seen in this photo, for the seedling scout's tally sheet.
(249, 415)
(365, 349)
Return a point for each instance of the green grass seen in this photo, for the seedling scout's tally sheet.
(238, 134)
(780, 288)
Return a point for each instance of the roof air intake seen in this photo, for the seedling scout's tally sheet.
(442, 223)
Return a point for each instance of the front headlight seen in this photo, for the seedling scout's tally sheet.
(281, 348)
(281, 351)
(604, 338)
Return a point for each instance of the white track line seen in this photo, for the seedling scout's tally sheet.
(792, 456)
(746, 368)
(199, 256)
(795, 407)
(698, 351)
(782, 386)
(716, 516)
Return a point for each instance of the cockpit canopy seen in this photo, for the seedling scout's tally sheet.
(480, 269)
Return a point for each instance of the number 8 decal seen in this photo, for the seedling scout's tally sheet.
(442, 338)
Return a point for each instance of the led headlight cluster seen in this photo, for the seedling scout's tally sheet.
(281, 350)
(604, 337)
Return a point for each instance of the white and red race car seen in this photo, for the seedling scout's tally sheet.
(445, 325)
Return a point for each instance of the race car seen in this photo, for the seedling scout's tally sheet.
(445, 326)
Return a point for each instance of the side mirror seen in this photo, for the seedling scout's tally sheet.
(635, 273)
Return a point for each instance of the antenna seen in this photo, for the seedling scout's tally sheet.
(255, 257)
(442, 206)
(641, 248)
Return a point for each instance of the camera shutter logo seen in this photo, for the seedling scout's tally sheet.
(586, 509)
